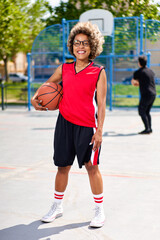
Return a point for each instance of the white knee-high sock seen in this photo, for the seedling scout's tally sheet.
(58, 197)
(98, 199)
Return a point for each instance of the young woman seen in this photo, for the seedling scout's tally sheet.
(79, 126)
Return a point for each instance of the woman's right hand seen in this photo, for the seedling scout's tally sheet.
(56, 77)
(37, 104)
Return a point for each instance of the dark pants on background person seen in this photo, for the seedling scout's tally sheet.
(144, 108)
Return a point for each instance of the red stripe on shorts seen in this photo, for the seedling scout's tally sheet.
(95, 160)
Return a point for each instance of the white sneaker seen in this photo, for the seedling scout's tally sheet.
(55, 212)
(99, 218)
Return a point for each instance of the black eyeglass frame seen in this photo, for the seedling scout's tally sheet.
(77, 43)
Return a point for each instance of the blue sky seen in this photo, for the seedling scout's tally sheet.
(55, 2)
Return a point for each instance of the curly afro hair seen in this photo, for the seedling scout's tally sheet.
(95, 38)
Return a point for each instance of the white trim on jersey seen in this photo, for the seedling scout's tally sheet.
(95, 107)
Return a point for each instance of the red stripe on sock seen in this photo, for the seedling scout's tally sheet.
(99, 201)
(58, 195)
(98, 198)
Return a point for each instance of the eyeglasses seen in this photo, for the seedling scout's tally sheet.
(77, 43)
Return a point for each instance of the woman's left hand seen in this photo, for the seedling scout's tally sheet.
(96, 140)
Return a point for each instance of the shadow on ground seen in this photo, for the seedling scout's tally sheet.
(114, 134)
(31, 231)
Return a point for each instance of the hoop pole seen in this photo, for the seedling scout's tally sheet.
(63, 32)
(2, 95)
(29, 80)
(141, 33)
(148, 59)
(110, 79)
(113, 36)
(137, 33)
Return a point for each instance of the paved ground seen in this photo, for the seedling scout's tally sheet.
(130, 165)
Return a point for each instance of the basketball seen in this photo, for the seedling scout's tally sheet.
(50, 94)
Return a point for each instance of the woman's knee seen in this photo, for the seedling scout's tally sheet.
(64, 170)
(92, 169)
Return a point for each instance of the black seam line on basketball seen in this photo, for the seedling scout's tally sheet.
(49, 86)
(52, 87)
(60, 98)
(56, 90)
(46, 93)
(50, 93)
(50, 100)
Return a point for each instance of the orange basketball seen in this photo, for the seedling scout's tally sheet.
(51, 94)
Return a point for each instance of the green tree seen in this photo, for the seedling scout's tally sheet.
(119, 8)
(128, 8)
(20, 23)
(68, 10)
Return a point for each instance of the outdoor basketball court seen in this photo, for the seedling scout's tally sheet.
(130, 165)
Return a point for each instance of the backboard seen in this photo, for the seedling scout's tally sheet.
(103, 18)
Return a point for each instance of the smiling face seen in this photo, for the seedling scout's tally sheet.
(81, 47)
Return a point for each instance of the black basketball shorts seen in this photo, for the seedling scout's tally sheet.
(71, 140)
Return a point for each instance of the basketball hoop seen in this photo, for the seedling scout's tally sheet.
(102, 18)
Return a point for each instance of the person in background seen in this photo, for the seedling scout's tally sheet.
(144, 78)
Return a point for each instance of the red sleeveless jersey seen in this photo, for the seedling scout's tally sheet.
(78, 105)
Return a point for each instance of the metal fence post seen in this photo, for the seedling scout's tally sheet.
(141, 33)
(29, 80)
(2, 95)
(63, 32)
(110, 78)
(113, 37)
(148, 59)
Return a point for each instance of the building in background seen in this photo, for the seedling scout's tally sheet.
(17, 65)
